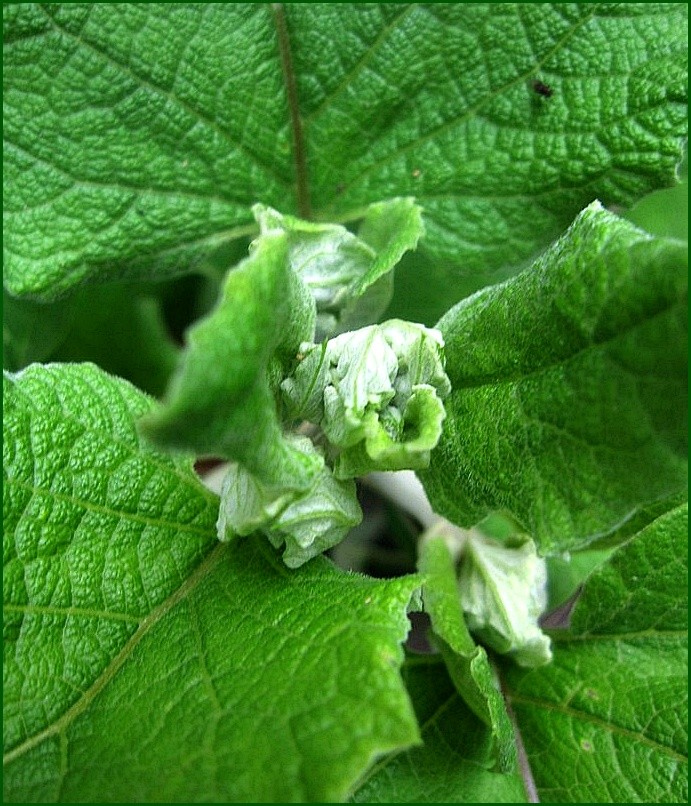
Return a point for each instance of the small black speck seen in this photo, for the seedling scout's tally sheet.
(543, 89)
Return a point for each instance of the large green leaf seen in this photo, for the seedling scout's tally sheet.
(144, 661)
(570, 387)
(138, 136)
(457, 762)
(607, 721)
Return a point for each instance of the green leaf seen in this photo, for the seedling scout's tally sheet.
(570, 387)
(456, 762)
(339, 268)
(607, 721)
(140, 654)
(137, 137)
(220, 401)
(467, 663)
(98, 530)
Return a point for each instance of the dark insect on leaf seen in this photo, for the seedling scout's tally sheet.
(543, 89)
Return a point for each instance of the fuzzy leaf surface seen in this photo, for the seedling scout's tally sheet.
(140, 653)
(137, 137)
(569, 402)
(607, 720)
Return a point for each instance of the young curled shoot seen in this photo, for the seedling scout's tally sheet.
(376, 393)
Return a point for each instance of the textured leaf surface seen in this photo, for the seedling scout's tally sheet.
(456, 763)
(570, 387)
(138, 136)
(607, 721)
(141, 663)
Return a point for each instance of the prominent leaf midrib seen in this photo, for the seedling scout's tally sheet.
(105, 510)
(78, 612)
(517, 377)
(471, 111)
(146, 83)
(582, 716)
(147, 623)
(302, 185)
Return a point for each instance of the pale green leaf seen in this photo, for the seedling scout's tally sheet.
(138, 136)
(503, 592)
(607, 721)
(570, 387)
(307, 525)
(339, 268)
(457, 762)
(144, 661)
(376, 393)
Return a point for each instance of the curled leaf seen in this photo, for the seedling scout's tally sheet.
(503, 591)
(377, 395)
(348, 276)
(308, 524)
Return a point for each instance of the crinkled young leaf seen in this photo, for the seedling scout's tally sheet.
(570, 387)
(146, 662)
(138, 136)
(607, 720)
(220, 401)
(338, 267)
(308, 525)
(376, 394)
(503, 592)
(457, 762)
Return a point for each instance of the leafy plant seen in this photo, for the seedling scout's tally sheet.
(328, 245)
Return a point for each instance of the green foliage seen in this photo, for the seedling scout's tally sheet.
(456, 763)
(570, 387)
(257, 213)
(132, 627)
(607, 720)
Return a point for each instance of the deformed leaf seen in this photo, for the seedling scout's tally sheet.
(569, 384)
(143, 660)
(503, 592)
(607, 720)
(467, 662)
(220, 401)
(339, 268)
(308, 525)
(376, 393)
